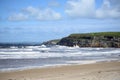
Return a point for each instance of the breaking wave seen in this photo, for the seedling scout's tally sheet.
(30, 56)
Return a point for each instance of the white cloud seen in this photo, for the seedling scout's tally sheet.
(31, 10)
(115, 3)
(43, 14)
(31, 13)
(80, 8)
(86, 9)
(48, 14)
(107, 11)
(18, 17)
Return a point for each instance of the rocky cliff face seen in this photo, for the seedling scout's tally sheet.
(106, 39)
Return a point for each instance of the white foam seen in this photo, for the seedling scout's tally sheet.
(54, 51)
(82, 62)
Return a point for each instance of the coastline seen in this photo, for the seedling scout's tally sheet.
(93, 71)
(69, 63)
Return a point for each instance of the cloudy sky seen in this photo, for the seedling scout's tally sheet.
(41, 20)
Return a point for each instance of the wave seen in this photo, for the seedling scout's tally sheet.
(56, 51)
(29, 57)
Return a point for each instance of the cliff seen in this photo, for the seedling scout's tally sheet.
(101, 39)
(51, 42)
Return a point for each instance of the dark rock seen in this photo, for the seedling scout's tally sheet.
(103, 39)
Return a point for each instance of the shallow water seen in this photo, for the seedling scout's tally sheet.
(15, 58)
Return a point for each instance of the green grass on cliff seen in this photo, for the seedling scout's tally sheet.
(115, 34)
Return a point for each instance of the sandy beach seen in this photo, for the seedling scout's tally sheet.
(96, 71)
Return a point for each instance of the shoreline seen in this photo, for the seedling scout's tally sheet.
(68, 72)
(70, 63)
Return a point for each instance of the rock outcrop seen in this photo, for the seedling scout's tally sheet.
(103, 39)
(51, 42)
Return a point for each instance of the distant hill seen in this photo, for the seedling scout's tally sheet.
(100, 39)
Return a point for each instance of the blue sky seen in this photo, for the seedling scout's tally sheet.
(42, 20)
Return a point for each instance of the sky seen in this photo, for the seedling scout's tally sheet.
(42, 20)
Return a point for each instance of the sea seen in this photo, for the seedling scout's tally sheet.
(40, 56)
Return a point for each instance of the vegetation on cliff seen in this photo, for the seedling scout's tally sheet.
(101, 39)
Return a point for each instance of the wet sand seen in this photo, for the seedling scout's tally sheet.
(96, 71)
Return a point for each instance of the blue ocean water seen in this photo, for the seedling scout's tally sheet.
(14, 58)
